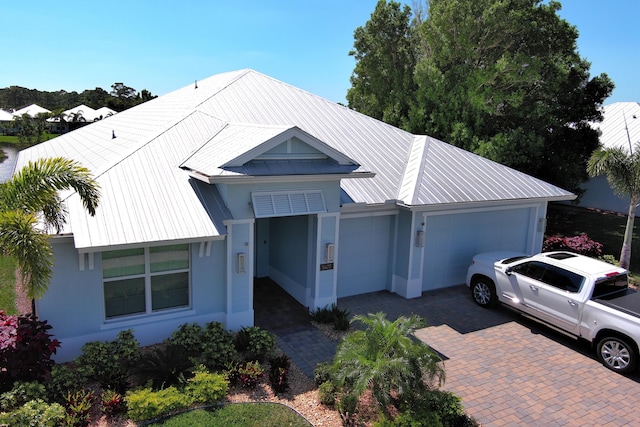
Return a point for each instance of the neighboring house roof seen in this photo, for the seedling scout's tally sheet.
(223, 125)
(104, 112)
(32, 110)
(618, 119)
(5, 116)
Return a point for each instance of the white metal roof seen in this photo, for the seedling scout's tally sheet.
(5, 116)
(32, 110)
(139, 157)
(618, 118)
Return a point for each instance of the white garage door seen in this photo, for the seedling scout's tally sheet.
(452, 240)
(364, 255)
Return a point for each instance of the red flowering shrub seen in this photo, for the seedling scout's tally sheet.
(25, 349)
(581, 244)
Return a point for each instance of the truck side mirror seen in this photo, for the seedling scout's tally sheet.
(508, 271)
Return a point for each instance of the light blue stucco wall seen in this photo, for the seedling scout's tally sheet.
(74, 302)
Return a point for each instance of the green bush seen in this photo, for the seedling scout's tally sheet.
(21, 393)
(189, 337)
(146, 404)
(206, 387)
(35, 413)
(163, 366)
(109, 362)
(322, 373)
(63, 380)
(327, 393)
(322, 315)
(348, 405)
(217, 346)
(407, 419)
(260, 343)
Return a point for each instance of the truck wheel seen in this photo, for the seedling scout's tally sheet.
(616, 354)
(483, 291)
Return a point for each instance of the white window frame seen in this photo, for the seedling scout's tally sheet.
(148, 297)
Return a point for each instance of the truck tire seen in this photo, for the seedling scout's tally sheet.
(483, 291)
(617, 354)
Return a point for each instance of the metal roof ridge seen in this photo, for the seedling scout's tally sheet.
(414, 168)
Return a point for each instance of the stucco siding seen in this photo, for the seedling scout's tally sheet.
(365, 255)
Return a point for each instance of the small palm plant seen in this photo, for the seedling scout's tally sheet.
(387, 359)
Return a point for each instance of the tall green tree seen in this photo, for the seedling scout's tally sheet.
(385, 54)
(30, 205)
(387, 359)
(622, 169)
(501, 78)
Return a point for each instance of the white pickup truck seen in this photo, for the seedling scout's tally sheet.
(574, 294)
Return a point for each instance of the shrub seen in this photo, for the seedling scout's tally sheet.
(62, 380)
(189, 337)
(112, 403)
(338, 317)
(217, 346)
(250, 374)
(206, 387)
(327, 393)
(25, 349)
(259, 342)
(163, 367)
(580, 244)
(21, 393)
(78, 405)
(35, 413)
(146, 404)
(109, 362)
(322, 315)
(347, 406)
(279, 373)
(322, 373)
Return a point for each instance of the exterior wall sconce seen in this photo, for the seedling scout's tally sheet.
(242, 262)
(329, 250)
(420, 238)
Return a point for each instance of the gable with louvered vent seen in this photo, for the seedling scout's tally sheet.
(288, 203)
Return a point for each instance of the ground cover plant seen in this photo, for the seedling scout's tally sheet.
(119, 379)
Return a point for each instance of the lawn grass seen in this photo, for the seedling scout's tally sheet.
(238, 415)
(7, 285)
(604, 227)
(13, 140)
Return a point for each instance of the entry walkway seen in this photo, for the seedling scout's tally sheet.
(509, 371)
(278, 312)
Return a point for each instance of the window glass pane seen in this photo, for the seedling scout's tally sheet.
(128, 262)
(167, 258)
(169, 290)
(122, 297)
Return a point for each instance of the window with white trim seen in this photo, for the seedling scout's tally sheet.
(145, 280)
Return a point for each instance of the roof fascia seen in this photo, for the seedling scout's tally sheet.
(243, 179)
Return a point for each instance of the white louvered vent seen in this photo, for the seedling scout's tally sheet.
(286, 203)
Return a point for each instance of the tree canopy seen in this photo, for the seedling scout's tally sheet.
(499, 78)
(119, 98)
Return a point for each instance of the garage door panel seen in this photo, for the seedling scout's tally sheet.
(452, 240)
(364, 255)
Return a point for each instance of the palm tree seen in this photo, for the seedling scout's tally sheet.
(30, 206)
(622, 168)
(386, 358)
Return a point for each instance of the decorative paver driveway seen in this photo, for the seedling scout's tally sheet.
(509, 370)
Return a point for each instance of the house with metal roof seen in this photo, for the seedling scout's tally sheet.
(241, 176)
(620, 127)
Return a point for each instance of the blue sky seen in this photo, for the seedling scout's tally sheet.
(162, 45)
